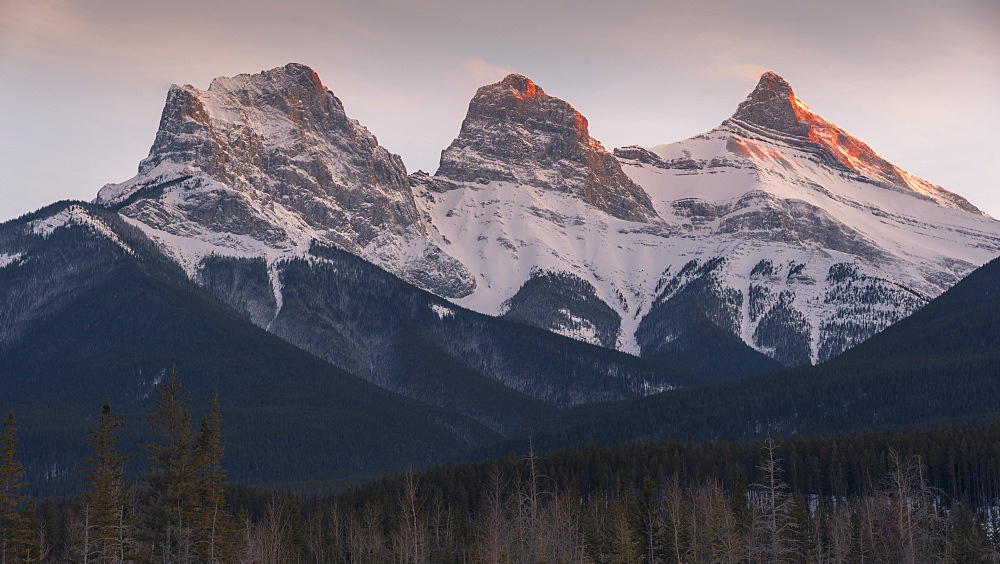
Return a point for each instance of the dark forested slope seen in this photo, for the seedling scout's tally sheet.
(941, 365)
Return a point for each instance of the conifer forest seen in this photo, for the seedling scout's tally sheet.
(888, 496)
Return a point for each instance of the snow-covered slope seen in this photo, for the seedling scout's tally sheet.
(265, 193)
(261, 165)
(524, 191)
(778, 227)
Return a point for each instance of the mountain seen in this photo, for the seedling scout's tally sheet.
(91, 308)
(826, 243)
(940, 365)
(262, 165)
(516, 133)
(273, 251)
(265, 192)
(774, 239)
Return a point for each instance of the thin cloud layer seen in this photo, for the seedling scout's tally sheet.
(84, 81)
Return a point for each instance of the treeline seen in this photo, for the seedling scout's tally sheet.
(962, 463)
(512, 511)
(913, 496)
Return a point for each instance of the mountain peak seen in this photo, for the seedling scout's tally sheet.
(292, 74)
(774, 107)
(522, 86)
(770, 80)
(515, 132)
(274, 159)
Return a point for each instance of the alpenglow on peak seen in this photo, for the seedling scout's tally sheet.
(516, 133)
(774, 107)
(264, 165)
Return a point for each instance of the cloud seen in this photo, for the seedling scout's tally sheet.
(485, 72)
(30, 24)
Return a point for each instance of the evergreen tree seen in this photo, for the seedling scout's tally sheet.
(213, 524)
(105, 492)
(172, 484)
(741, 504)
(13, 536)
(28, 545)
(647, 522)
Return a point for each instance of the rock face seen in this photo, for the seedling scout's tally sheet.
(263, 164)
(777, 232)
(776, 236)
(516, 133)
(773, 108)
(267, 194)
(809, 242)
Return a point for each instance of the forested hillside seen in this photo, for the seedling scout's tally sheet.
(918, 495)
(939, 366)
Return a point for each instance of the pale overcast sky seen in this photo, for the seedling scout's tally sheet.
(82, 83)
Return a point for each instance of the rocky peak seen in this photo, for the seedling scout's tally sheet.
(275, 115)
(273, 157)
(281, 136)
(515, 132)
(292, 75)
(521, 85)
(772, 104)
(773, 107)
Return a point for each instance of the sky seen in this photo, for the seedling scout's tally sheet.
(82, 83)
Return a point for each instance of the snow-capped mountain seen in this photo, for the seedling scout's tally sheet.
(264, 164)
(774, 234)
(777, 227)
(262, 189)
(775, 238)
(515, 133)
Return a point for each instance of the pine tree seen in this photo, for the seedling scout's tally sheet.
(28, 545)
(213, 525)
(12, 527)
(625, 546)
(741, 504)
(172, 482)
(647, 523)
(105, 492)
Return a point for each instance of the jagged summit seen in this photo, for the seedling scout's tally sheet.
(774, 107)
(514, 132)
(803, 240)
(772, 104)
(782, 230)
(267, 163)
(522, 86)
(296, 73)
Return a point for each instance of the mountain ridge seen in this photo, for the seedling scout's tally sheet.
(533, 273)
(740, 199)
(644, 250)
(936, 367)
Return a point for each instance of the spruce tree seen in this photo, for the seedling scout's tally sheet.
(105, 492)
(28, 545)
(12, 526)
(213, 525)
(172, 490)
